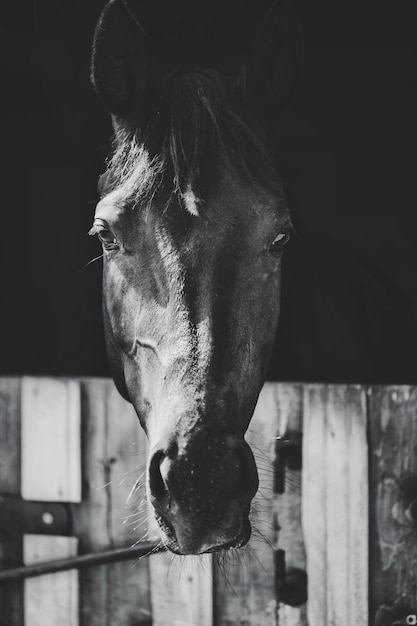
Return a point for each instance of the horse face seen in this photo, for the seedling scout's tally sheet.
(191, 280)
(191, 304)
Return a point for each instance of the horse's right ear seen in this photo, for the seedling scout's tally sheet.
(119, 68)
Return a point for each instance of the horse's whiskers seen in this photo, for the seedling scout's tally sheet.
(97, 258)
(128, 518)
(135, 487)
(155, 550)
(222, 560)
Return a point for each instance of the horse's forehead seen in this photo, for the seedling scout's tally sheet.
(225, 224)
(235, 192)
(243, 209)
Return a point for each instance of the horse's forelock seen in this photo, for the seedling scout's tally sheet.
(174, 148)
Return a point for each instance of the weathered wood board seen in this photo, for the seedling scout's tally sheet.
(11, 594)
(393, 476)
(51, 471)
(51, 463)
(53, 598)
(289, 402)
(182, 590)
(113, 458)
(335, 505)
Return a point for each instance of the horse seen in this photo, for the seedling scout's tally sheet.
(193, 222)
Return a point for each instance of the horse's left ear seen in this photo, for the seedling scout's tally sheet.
(275, 61)
(120, 60)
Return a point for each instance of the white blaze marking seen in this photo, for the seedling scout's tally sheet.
(191, 201)
(192, 346)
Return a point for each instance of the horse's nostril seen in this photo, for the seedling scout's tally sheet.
(246, 473)
(157, 484)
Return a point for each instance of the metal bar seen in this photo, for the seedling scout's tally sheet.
(79, 562)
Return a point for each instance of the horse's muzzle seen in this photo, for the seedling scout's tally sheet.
(201, 493)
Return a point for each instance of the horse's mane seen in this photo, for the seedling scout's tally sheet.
(170, 143)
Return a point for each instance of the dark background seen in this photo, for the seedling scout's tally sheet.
(348, 148)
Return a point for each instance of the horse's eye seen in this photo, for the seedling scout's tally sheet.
(105, 235)
(279, 242)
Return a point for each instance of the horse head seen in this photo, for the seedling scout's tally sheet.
(193, 223)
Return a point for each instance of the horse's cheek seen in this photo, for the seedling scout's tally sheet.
(120, 303)
(264, 322)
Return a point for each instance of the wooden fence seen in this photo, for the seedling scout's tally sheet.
(72, 450)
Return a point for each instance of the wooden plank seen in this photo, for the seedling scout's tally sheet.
(393, 562)
(51, 599)
(181, 589)
(11, 594)
(94, 529)
(314, 502)
(244, 585)
(50, 472)
(335, 505)
(113, 457)
(51, 463)
(289, 400)
(357, 490)
(127, 449)
(10, 436)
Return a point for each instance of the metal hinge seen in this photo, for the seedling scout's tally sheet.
(20, 516)
(395, 616)
(288, 455)
(290, 582)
